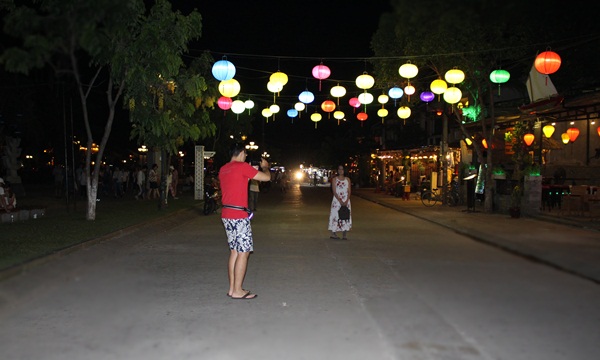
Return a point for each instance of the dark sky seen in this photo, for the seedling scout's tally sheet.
(262, 37)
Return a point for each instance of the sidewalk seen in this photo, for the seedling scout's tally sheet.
(569, 244)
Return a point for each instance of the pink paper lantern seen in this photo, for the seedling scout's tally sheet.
(224, 103)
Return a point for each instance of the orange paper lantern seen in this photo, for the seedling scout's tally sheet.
(573, 133)
(528, 138)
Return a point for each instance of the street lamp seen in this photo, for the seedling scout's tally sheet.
(142, 150)
(252, 146)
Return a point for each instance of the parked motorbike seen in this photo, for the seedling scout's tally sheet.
(212, 199)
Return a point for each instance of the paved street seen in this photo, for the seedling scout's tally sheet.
(409, 283)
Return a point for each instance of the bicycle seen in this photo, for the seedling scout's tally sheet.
(431, 197)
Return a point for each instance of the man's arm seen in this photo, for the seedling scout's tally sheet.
(263, 175)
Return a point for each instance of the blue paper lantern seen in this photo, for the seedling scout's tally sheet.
(306, 97)
(292, 113)
(223, 70)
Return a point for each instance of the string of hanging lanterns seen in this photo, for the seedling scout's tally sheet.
(223, 70)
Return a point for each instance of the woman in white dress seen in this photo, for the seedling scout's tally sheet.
(341, 188)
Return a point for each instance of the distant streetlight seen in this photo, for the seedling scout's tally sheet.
(252, 146)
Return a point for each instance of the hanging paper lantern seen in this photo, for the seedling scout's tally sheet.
(321, 72)
(454, 76)
(468, 141)
(249, 104)
(229, 88)
(306, 97)
(274, 87)
(499, 77)
(316, 117)
(354, 102)
(382, 112)
(365, 98)
(292, 113)
(573, 133)
(328, 106)
(224, 103)
(362, 116)
(299, 106)
(484, 143)
(408, 71)
(427, 96)
(404, 112)
(548, 130)
(452, 95)
(279, 78)
(274, 108)
(547, 62)
(338, 114)
(266, 112)
(383, 99)
(337, 91)
(223, 70)
(528, 138)
(409, 90)
(598, 130)
(395, 92)
(238, 107)
(365, 81)
(438, 86)
(565, 138)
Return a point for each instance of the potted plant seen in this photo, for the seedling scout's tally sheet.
(515, 202)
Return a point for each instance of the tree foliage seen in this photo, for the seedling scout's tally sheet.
(119, 44)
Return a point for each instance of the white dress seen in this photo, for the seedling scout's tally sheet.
(342, 191)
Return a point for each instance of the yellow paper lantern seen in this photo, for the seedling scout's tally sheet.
(404, 112)
(454, 76)
(266, 112)
(438, 86)
(299, 106)
(229, 88)
(382, 112)
(408, 71)
(565, 138)
(452, 95)
(468, 141)
(279, 78)
(383, 99)
(548, 130)
(365, 81)
(337, 91)
(339, 115)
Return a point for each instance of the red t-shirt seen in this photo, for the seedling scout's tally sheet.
(234, 178)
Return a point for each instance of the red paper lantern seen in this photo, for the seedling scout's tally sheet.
(362, 116)
(573, 133)
(224, 103)
(598, 129)
(547, 62)
(528, 138)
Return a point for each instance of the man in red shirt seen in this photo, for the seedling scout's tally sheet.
(234, 177)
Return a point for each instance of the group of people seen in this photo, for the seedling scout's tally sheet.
(8, 200)
(237, 179)
(117, 182)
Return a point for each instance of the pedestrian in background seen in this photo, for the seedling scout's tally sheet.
(341, 196)
(153, 181)
(234, 177)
